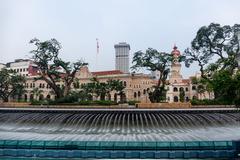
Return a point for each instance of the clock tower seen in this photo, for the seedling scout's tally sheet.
(175, 74)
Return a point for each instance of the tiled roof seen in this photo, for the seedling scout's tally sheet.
(186, 80)
(101, 73)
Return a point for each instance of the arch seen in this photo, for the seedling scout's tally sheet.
(40, 97)
(175, 98)
(186, 89)
(123, 97)
(48, 97)
(31, 97)
(109, 97)
(115, 97)
(135, 95)
(144, 91)
(25, 97)
(139, 93)
(181, 89)
(175, 89)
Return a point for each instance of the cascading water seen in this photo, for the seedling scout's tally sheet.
(120, 125)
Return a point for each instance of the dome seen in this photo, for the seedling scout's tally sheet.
(175, 51)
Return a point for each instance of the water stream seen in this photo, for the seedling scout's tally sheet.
(128, 126)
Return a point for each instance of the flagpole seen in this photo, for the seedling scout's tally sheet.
(97, 53)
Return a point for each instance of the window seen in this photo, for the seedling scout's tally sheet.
(144, 91)
(175, 98)
(135, 95)
(33, 85)
(139, 93)
(125, 83)
(181, 89)
(40, 85)
(21, 70)
(43, 85)
(175, 89)
(186, 89)
(193, 87)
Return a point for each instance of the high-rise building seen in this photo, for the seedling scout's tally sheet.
(122, 56)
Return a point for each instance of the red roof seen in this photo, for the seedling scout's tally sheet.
(101, 73)
(185, 80)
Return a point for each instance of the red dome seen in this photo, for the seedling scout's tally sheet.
(175, 51)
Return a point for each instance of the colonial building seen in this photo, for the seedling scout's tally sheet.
(136, 85)
(177, 84)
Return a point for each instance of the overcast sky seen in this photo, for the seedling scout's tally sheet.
(76, 24)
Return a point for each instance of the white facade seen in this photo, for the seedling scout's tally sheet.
(122, 57)
(21, 66)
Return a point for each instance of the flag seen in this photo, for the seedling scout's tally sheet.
(97, 46)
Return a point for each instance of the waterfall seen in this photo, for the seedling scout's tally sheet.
(122, 125)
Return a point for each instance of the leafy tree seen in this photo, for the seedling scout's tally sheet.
(11, 84)
(102, 89)
(53, 69)
(153, 60)
(218, 42)
(182, 95)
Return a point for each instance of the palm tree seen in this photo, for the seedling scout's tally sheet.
(36, 92)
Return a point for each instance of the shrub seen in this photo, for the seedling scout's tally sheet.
(133, 102)
(210, 102)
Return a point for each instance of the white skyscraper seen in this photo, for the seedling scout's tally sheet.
(122, 57)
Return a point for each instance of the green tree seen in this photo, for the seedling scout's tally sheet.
(219, 43)
(214, 41)
(182, 95)
(53, 69)
(11, 84)
(153, 60)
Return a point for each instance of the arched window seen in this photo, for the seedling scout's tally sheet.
(186, 89)
(175, 98)
(109, 97)
(135, 95)
(194, 97)
(125, 83)
(139, 93)
(25, 97)
(40, 97)
(40, 85)
(187, 99)
(168, 98)
(193, 87)
(115, 97)
(48, 97)
(175, 89)
(144, 91)
(181, 89)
